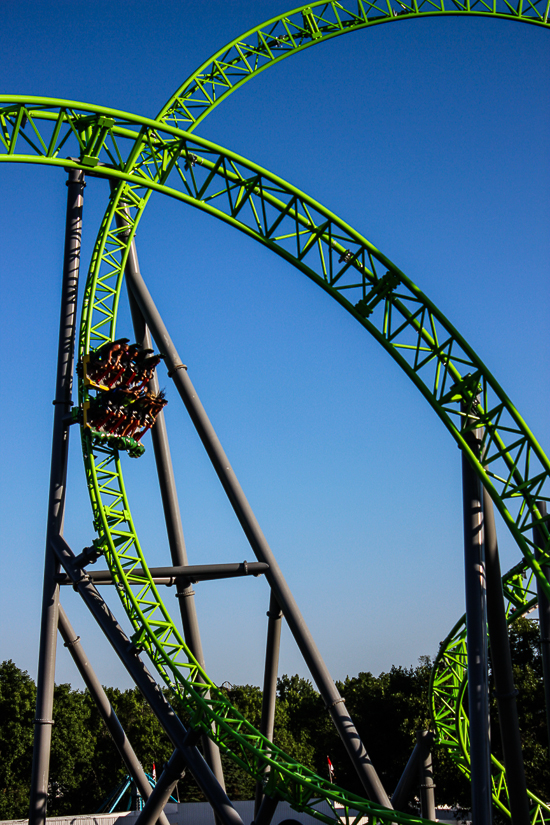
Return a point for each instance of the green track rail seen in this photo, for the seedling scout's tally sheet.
(227, 70)
(309, 25)
(142, 154)
(448, 685)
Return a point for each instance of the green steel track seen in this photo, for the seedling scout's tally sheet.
(142, 154)
(381, 298)
(449, 682)
(296, 30)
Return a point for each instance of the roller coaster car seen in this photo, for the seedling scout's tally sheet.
(119, 442)
(89, 382)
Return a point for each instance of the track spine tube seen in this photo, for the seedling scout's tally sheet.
(56, 503)
(334, 702)
(105, 709)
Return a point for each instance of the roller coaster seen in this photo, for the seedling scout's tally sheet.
(140, 156)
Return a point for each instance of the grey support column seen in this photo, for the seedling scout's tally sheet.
(269, 695)
(501, 664)
(544, 622)
(264, 815)
(56, 503)
(258, 542)
(172, 773)
(476, 634)
(151, 691)
(408, 782)
(73, 645)
(170, 503)
(427, 787)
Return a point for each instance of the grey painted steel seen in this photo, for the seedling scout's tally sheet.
(44, 694)
(266, 811)
(73, 645)
(170, 502)
(154, 807)
(135, 797)
(151, 691)
(334, 702)
(269, 695)
(409, 778)
(501, 665)
(191, 572)
(209, 572)
(476, 636)
(56, 503)
(426, 775)
(544, 624)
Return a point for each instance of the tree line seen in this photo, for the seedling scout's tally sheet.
(388, 710)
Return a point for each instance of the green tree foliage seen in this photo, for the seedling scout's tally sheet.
(17, 711)
(72, 744)
(106, 769)
(387, 709)
(84, 764)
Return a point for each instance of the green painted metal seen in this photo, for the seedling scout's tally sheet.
(448, 691)
(273, 41)
(265, 46)
(296, 30)
(360, 278)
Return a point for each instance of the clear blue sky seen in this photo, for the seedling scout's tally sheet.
(428, 136)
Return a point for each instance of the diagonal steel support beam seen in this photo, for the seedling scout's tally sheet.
(409, 778)
(172, 773)
(319, 671)
(151, 691)
(126, 751)
(265, 813)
